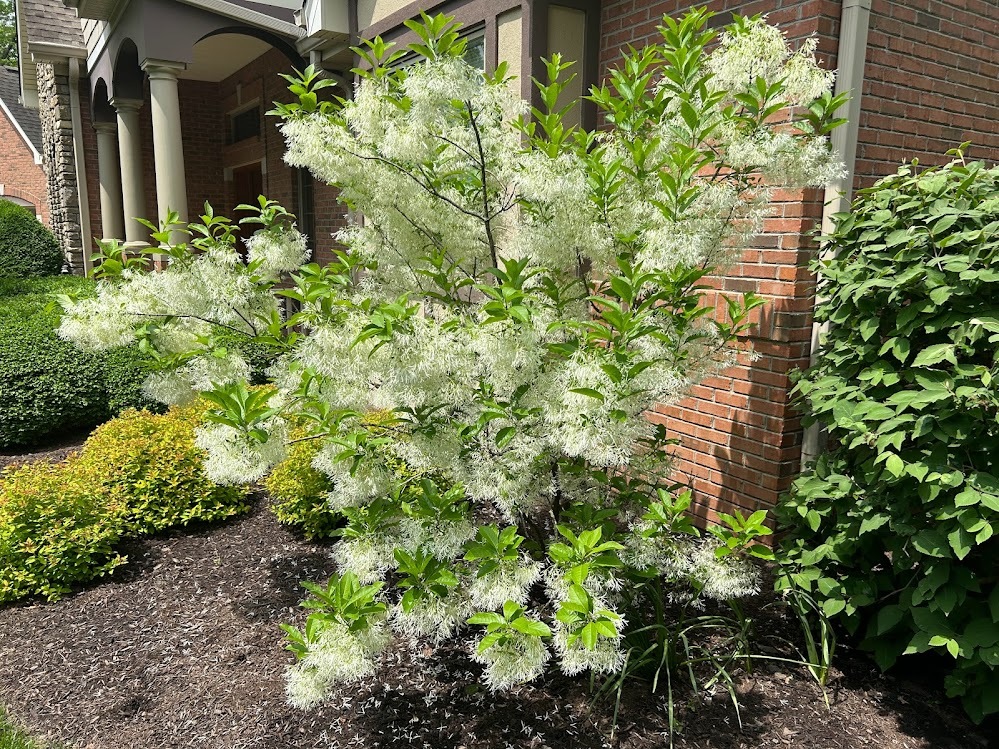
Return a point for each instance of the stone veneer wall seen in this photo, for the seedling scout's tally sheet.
(58, 159)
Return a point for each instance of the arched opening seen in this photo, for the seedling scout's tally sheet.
(24, 204)
(127, 78)
(272, 40)
(102, 110)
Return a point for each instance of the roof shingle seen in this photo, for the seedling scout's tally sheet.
(50, 22)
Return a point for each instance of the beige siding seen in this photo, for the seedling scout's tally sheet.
(566, 35)
(372, 11)
(510, 40)
(92, 31)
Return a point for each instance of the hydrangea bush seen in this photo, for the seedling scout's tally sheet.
(518, 293)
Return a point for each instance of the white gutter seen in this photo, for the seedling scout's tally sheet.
(255, 18)
(78, 157)
(850, 59)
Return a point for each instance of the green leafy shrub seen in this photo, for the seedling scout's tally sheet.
(56, 529)
(299, 493)
(27, 247)
(124, 372)
(156, 472)
(893, 529)
(46, 384)
(260, 356)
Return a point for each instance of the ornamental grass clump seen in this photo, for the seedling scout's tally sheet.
(893, 530)
(520, 292)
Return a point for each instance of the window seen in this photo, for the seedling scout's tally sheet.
(475, 49)
(244, 125)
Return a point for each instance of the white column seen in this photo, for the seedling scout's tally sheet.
(109, 175)
(168, 146)
(133, 194)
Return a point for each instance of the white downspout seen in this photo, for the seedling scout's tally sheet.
(78, 158)
(850, 58)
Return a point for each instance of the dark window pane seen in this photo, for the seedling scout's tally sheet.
(245, 125)
(475, 51)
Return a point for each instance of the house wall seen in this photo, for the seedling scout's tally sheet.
(90, 164)
(259, 81)
(209, 158)
(932, 83)
(20, 176)
(740, 439)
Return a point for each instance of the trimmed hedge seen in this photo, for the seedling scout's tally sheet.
(27, 247)
(47, 385)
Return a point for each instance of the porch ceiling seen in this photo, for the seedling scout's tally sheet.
(219, 56)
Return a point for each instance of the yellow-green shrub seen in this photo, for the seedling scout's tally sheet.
(149, 463)
(298, 492)
(56, 529)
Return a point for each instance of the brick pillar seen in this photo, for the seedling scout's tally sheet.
(58, 158)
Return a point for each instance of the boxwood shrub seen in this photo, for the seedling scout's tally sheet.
(896, 528)
(47, 386)
(27, 247)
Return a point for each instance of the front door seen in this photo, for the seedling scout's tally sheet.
(247, 185)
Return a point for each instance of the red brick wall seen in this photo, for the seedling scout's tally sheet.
(19, 174)
(932, 83)
(90, 164)
(203, 133)
(260, 80)
(740, 439)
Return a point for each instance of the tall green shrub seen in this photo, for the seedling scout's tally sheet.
(27, 248)
(894, 527)
(47, 385)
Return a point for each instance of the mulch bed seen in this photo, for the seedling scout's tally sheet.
(54, 450)
(181, 648)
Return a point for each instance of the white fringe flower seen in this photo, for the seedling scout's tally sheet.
(520, 659)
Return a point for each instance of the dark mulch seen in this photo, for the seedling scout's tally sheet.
(181, 648)
(55, 449)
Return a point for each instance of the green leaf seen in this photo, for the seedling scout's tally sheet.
(935, 354)
(589, 392)
(931, 542)
(961, 542)
(895, 465)
(888, 617)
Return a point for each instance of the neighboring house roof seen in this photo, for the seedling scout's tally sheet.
(50, 22)
(24, 120)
